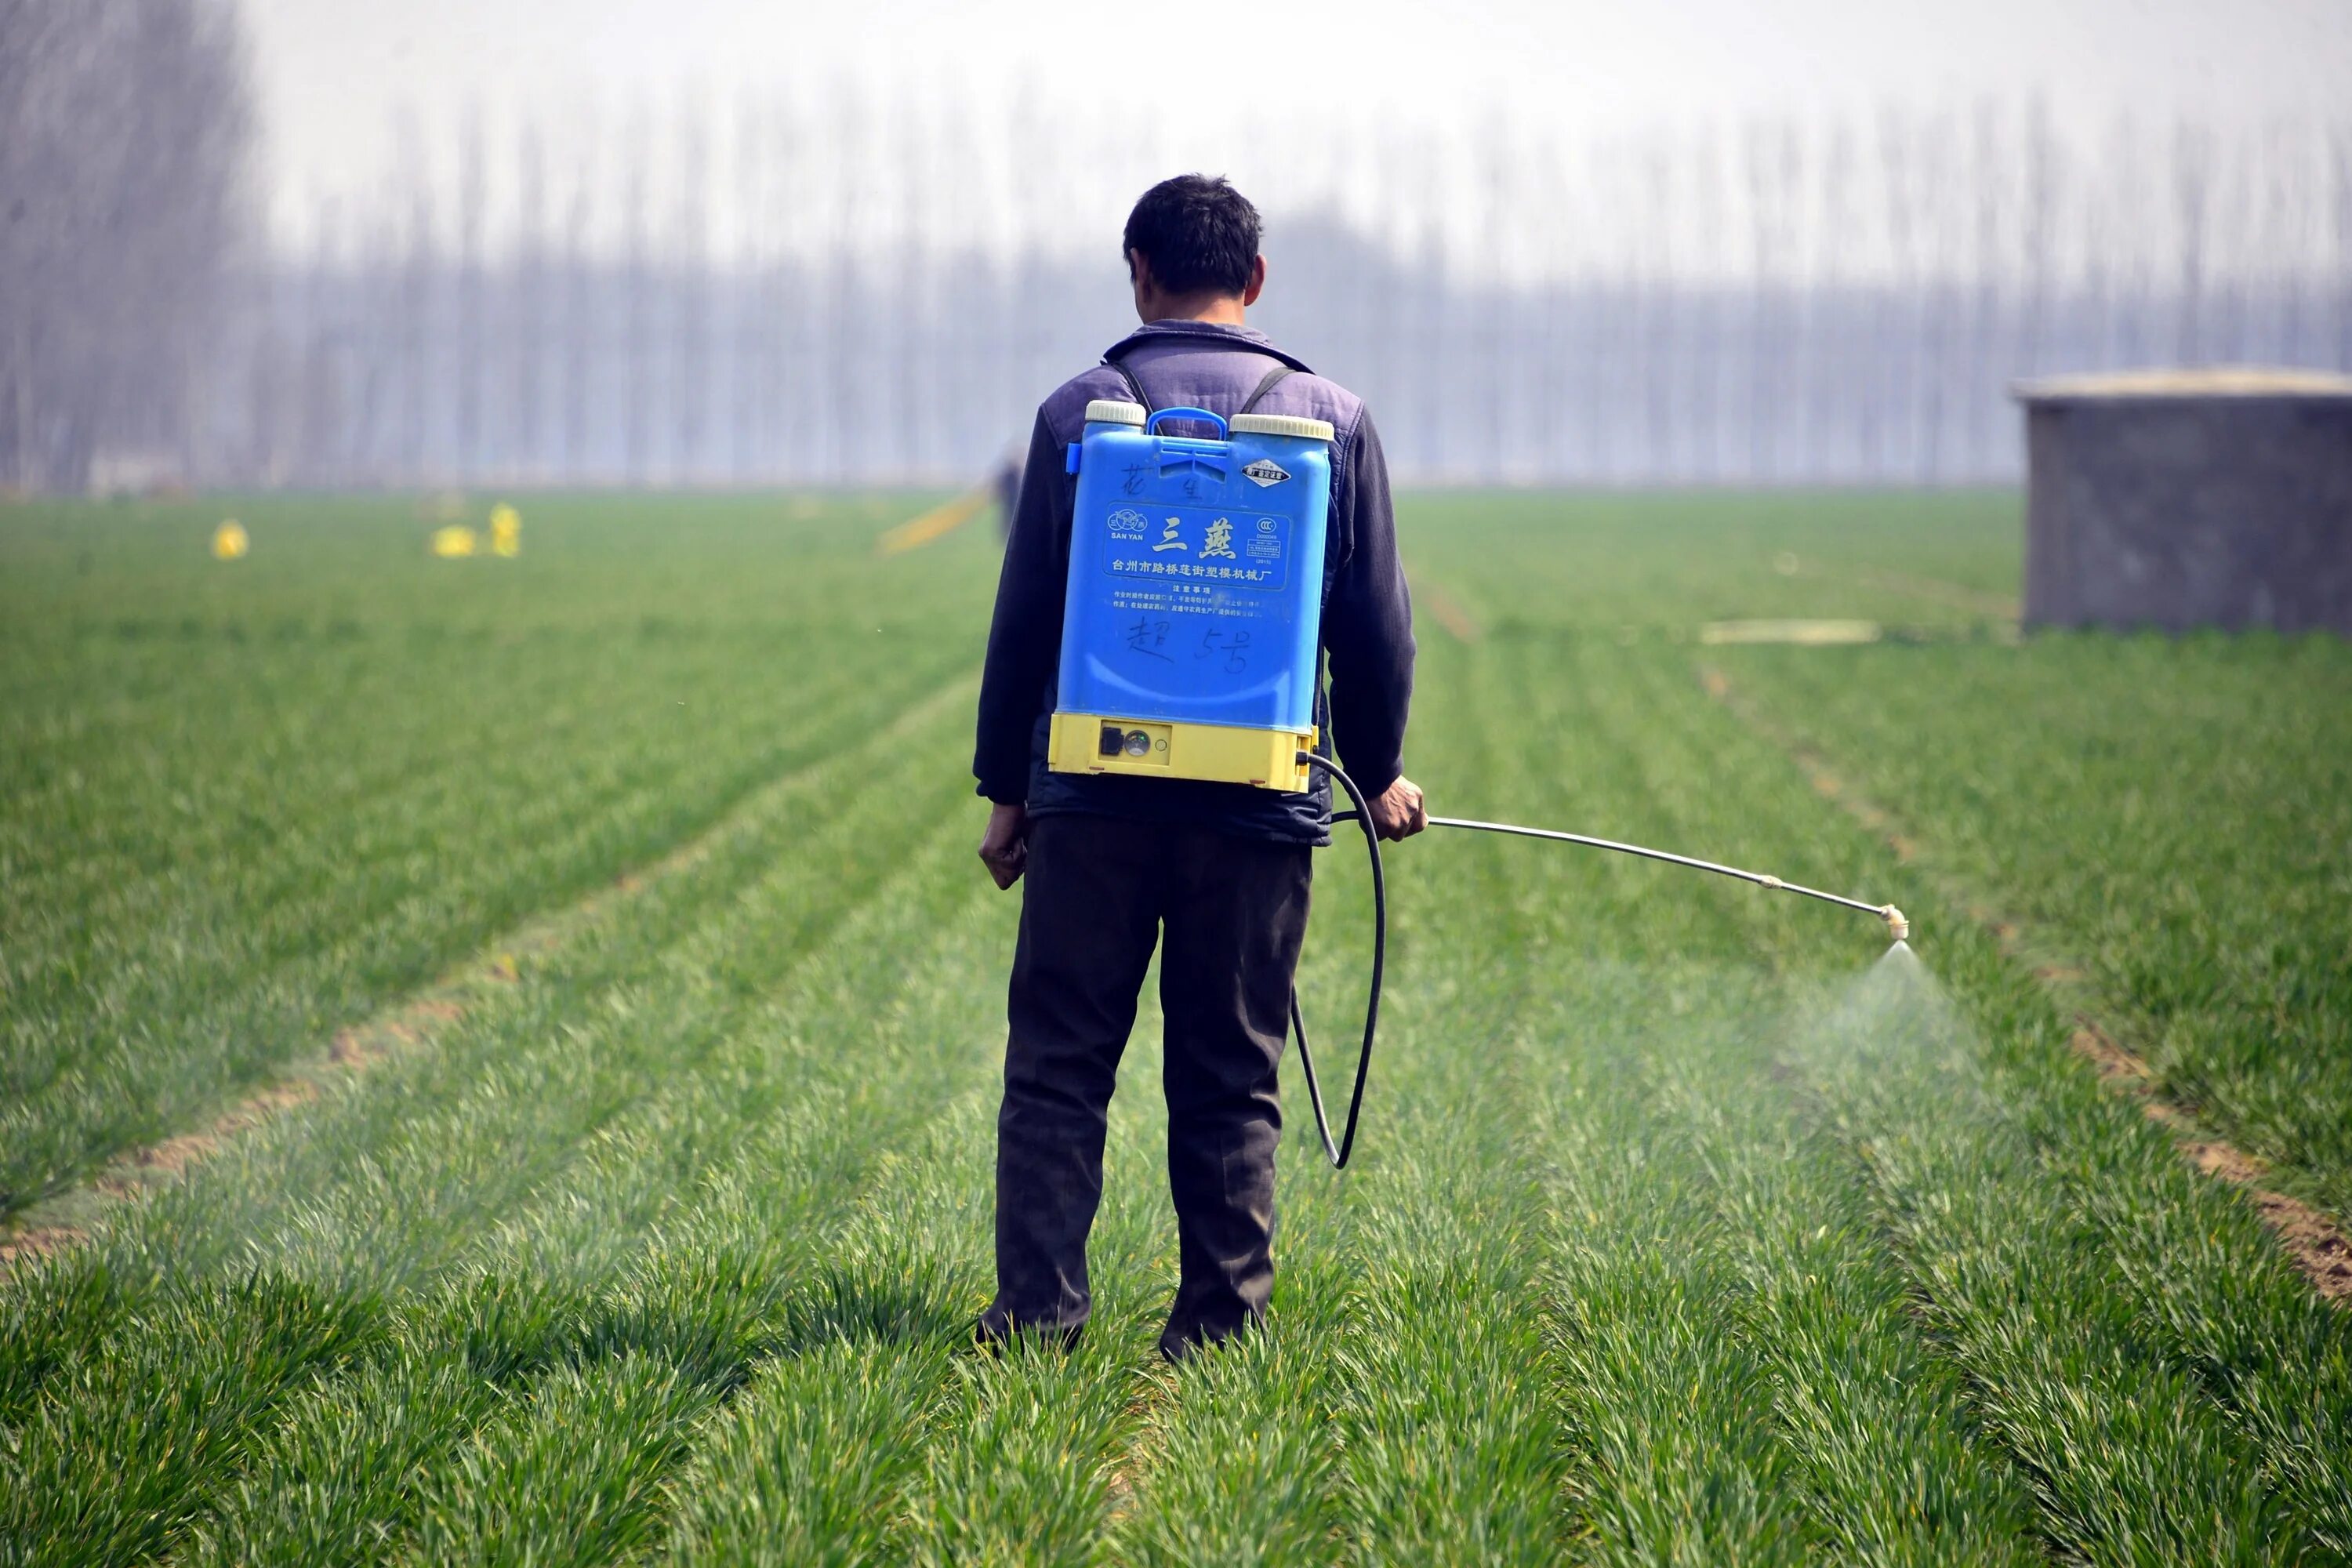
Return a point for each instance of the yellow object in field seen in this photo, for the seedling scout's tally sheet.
(506, 531)
(1804, 634)
(229, 541)
(451, 544)
(1227, 754)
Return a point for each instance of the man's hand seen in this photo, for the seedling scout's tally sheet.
(1005, 842)
(1398, 811)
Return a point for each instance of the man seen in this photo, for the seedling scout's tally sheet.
(1114, 862)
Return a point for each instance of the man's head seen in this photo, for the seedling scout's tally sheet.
(1192, 251)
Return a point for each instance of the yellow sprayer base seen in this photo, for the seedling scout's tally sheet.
(1219, 753)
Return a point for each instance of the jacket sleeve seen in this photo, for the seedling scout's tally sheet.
(1024, 639)
(1368, 624)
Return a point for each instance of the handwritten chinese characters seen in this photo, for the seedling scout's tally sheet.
(1149, 637)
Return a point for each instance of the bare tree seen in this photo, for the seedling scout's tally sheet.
(845, 287)
(472, 351)
(2041, 233)
(688, 280)
(524, 426)
(1838, 286)
(1931, 212)
(126, 129)
(2193, 196)
(749, 326)
(2340, 148)
(580, 316)
(638, 284)
(1977, 379)
(415, 305)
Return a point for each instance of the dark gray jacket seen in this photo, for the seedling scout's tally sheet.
(1366, 613)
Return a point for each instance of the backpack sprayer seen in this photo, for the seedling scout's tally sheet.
(1191, 631)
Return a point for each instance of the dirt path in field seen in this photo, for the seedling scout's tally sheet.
(64, 1220)
(410, 1024)
(1448, 612)
(2314, 1241)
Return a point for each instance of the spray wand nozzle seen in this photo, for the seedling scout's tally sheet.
(1899, 924)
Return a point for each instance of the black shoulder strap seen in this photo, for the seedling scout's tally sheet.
(1272, 376)
(1128, 377)
(1288, 366)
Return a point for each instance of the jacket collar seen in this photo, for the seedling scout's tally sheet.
(1239, 337)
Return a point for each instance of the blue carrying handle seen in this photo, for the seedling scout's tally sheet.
(1152, 424)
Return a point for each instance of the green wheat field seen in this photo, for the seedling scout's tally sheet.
(497, 1064)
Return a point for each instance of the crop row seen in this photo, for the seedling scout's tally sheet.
(1672, 1236)
(220, 852)
(529, 1192)
(2176, 823)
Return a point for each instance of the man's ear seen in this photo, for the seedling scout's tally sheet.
(1256, 282)
(1139, 267)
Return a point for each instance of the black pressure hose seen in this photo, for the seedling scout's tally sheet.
(1339, 1153)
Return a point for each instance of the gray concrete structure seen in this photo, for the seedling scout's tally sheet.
(2185, 499)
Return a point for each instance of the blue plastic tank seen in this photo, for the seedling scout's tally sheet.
(1194, 604)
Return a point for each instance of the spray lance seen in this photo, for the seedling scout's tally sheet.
(1898, 929)
(1191, 629)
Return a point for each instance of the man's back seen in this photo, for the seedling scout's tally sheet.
(1367, 618)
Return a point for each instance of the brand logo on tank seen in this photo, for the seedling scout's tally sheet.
(1266, 471)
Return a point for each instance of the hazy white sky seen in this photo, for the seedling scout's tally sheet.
(332, 73)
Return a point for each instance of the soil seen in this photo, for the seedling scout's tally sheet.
(351, 1051)
(1450, 613)
(37, 1243)
(2315, 1243)
(2116, 1064)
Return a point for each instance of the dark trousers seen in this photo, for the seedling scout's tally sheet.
(1099, 891)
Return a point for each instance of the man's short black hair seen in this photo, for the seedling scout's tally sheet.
(1197, 233)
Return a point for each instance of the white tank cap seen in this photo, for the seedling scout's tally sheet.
(1281, 425)
(1114, 411)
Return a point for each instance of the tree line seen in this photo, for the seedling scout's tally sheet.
(126, 134)
(845, 286)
